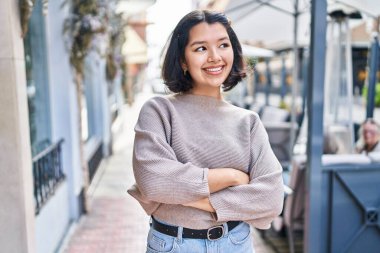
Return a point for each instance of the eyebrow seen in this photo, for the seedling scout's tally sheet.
(203, 42)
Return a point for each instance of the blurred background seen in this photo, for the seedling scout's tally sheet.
(75, 73)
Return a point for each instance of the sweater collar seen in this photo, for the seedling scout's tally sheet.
(201, 99)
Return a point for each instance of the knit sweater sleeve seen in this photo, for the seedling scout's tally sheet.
(160, 177)
(260, 201)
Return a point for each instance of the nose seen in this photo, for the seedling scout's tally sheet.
(213, 56)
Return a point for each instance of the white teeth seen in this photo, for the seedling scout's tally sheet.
(214, 69)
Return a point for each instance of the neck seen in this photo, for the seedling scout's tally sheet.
(209, 92)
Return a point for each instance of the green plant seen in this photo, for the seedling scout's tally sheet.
(26, 8)
(82, 25)
(116, 40)
(251, 63)
(283, 105)
(377, 94)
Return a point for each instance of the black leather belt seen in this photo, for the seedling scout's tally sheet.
(213, 233)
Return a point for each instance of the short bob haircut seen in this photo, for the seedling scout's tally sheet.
(172, 73)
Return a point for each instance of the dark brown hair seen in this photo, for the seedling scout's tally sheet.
(172, 73)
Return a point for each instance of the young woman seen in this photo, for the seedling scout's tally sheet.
(204, 168)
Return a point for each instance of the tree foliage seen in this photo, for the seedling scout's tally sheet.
(377, 94)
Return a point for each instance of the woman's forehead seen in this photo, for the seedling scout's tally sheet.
(204, 32)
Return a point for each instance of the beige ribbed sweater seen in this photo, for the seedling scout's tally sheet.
(179, 138)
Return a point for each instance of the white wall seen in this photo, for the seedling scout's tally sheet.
(52, 222)
(64, 109)
(16, 190)
(95, 80)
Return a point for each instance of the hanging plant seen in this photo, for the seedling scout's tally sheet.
(82, 26)
(111, 67)
(251, 63)
(116, 41)
(26, 8)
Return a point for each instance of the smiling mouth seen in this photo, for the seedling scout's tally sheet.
(214, 70)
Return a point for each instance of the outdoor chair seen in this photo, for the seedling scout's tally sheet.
(256, 107)
(271, 114)
(293, 214)
(343, 137)
(279, 139)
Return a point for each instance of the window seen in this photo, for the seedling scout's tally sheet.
(37, 81)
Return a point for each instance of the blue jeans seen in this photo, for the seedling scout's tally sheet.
(239, 240)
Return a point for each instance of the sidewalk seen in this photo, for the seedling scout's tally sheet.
(116, 223)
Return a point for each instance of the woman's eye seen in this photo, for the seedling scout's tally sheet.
(200, 49)
(224, 45)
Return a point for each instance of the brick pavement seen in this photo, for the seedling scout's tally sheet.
(116, 223)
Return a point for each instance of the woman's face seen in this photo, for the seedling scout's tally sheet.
(209, 56)
(370, 133)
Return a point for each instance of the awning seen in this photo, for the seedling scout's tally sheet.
(252, 51)
(134, 48)
(367, 7)
(131, 7)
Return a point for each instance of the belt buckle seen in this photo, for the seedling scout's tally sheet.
(212, 228)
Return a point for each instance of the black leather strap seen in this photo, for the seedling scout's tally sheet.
(213, 233)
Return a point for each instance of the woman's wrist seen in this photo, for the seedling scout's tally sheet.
(222, 178)
(239, 177)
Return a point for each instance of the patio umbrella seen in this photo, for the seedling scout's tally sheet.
(273, 22)
(367, 7)
(269, 22)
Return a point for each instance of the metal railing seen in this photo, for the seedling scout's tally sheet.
(47, 174)
(94, 162)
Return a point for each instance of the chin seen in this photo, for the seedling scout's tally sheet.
(217, 84)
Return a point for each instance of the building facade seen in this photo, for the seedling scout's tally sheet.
(42, 187)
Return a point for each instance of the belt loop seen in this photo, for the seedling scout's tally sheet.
(225, 226)
(179, 235)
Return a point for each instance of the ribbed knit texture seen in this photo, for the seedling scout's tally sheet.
(179, 138)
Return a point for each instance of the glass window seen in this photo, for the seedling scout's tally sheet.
(37, 81)
(90, 98)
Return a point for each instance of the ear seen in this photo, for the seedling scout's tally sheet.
(183, 65)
